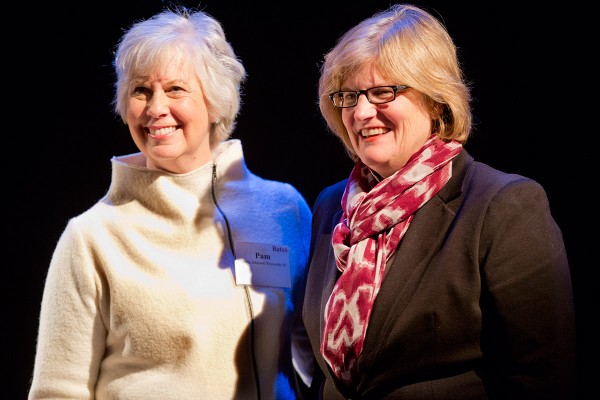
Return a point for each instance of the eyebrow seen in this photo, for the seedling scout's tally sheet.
(145, 79)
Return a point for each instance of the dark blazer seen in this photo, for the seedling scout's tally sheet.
(476, 304)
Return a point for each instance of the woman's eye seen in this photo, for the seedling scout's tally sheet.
(176, 91)
(139, 91)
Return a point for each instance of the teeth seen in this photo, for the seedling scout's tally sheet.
(373, 132)
(162, 131)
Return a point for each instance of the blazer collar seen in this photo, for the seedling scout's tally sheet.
(418, 246)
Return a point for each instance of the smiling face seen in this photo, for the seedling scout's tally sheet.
(384, 136)
(169, 120)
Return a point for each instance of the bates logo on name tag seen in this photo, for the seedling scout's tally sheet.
(261, 264)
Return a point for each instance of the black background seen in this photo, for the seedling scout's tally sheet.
(527, 67)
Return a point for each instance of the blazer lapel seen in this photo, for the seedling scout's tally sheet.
(420, 243)
(331, 276)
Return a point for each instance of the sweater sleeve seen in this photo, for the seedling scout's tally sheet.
(71, 334)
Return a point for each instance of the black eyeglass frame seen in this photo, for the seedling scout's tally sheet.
(396, 88)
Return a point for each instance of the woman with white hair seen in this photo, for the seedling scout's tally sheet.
(180, 282)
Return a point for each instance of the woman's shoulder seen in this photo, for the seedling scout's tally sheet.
(333, 192)
(329, 200)
(494, 178)
(485, 183)
(478, 174)
(279, 189)
(272, 194)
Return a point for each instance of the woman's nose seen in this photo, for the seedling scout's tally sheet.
(158, 105)
(363, 108)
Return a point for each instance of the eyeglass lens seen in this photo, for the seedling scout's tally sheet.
(375, 95)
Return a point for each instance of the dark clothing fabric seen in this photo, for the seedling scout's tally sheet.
(476, 303)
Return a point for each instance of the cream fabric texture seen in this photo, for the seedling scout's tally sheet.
(140, 299)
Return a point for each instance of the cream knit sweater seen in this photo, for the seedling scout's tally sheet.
(140, 300)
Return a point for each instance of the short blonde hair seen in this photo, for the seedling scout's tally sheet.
(409, 46)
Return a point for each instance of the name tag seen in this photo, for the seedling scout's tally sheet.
(261, 264)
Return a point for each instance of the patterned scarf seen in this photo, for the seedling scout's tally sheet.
(375, 217)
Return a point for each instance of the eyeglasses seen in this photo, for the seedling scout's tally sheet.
(375, 95)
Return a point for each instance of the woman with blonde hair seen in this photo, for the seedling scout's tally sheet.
(432, 275)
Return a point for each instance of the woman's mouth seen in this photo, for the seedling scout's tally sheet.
(161, 132)
(373, 132)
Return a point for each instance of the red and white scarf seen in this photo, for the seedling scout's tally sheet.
(375, 217)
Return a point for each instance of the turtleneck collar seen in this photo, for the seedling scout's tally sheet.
(162, 191)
